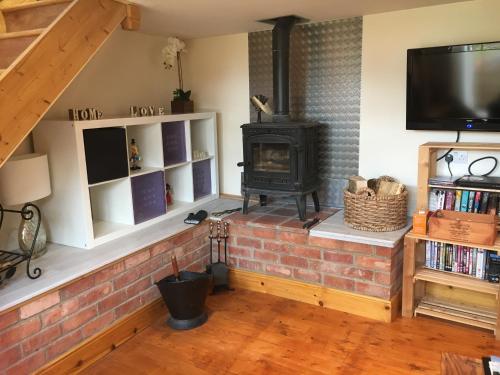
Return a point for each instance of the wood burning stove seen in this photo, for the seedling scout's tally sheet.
(280, 157)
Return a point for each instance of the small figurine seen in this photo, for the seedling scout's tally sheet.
(134, 156)
(168, 195)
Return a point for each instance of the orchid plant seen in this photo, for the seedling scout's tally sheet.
(172, 53)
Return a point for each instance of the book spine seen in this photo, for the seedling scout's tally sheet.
(466, 260)
(474, 262)
(428, 254)
(460, 259)
(441, 198)
(433, 200)
(450, 260)
(484, 202)
(477, 202)
(446, 257)
(479, 264)
(470, 204)
(447, 200)
(464, 202)
(487, 266)
(458, 199)
(441, 260)
(438, 255)
(455, 258)
(470, 262)
(485, 258)
(434, 250)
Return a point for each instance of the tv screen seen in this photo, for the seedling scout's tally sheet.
(454, 88)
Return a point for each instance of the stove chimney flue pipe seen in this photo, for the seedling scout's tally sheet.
(281, 67)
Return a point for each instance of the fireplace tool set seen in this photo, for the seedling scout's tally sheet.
(219, 270)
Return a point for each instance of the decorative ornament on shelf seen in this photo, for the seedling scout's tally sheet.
(138, 111)
(172, 53)
(169, 194)
(198, 155)
(76, 114)
(135, 157)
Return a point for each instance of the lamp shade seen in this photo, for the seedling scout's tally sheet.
(24, 178)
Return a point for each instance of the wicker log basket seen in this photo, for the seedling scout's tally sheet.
(368, 211)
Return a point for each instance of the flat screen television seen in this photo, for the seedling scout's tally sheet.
(454, 88)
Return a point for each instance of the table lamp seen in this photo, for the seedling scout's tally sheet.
(23, 180)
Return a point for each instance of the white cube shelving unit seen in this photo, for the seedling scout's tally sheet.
(97, 198)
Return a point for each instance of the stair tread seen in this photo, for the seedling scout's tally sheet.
(33, 4)
(21, 34)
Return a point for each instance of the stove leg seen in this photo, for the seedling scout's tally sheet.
(263, 200)
(301, 206)
(316, 201)
(246, 200)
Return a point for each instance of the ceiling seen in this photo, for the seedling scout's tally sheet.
(202, 18)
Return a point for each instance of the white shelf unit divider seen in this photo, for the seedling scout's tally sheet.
(85, 215)
(148, 139)
(111, 206)
(180, 180)
(202, 139)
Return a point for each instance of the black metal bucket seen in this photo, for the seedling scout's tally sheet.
(185, 298)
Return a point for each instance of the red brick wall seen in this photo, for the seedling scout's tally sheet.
(291, 253)
(44, 328)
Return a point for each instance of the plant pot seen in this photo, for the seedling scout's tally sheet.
(182, 106)
(185, 299)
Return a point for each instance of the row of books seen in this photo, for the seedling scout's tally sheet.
(464, 200)
(479, 263)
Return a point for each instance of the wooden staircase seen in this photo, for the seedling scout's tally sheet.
(44, 44)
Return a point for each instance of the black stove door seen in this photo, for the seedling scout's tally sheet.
(270, 162)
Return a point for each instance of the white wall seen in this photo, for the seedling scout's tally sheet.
(385, 146)
(127, 70)
(216, 70)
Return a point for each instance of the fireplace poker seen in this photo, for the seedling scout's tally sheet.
(218, 241)
(225, 242)
(211, 237)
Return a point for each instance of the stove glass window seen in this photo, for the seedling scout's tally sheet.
(271, 157)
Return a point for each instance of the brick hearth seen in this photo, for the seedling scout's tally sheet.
(49, 325)
(271, 240)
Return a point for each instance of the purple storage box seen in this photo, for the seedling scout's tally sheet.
(148, 196)
(174, 142)
(202, 178)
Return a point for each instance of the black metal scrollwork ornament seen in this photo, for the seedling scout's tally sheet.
(9, 259)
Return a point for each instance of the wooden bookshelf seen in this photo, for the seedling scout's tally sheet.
(495, 247)
(427, 165)
(475, 301)
(446, 187)
(455, 280)
(477, 317)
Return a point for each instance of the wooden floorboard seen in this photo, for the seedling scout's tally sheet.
(254, 333)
